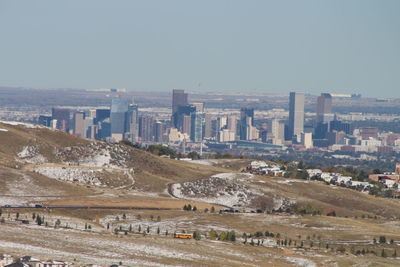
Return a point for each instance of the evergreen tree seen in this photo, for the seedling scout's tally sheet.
(166, 232)
(124, 216)
(108, 226)
(139, 228)
(194, 208)
(383, 253)
(212, 234)
(212, 209)
(148, 229)
(158, 230)
(196, 235)
(130, 228)
(39, 220)
(17, 215)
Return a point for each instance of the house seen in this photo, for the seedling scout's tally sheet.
(18, 264)
(255, 165)
(53, 263)
(314, 173)
(5, 260)
(379, 177)
(344, 180)
(31, 261)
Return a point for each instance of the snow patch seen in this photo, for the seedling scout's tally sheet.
(30, 154)
(17, 123)
(223, 189)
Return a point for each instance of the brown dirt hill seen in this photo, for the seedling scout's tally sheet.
(32, 147)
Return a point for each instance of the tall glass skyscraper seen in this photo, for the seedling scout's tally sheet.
(132, 123)
(296, 115)
(197, 120)
(119, 107)
(246, 121)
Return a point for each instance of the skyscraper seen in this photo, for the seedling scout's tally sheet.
(278, 132)
(119, 107)
(324, 108)
(296, 115)
(62, 116)
(197, 126)
(246, 123)
(208, 126)
(79, 124)
(179, 98)
(181, 122)
(102, 114)
(146, 123)
(132, 123)
(159, 130)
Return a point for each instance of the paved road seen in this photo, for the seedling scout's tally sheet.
(89, 207)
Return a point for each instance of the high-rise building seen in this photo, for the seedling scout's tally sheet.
(44, 120)
(102, 114)
(132, 123)
(186, 122)
(296, 115)
(306, 140)
(277, 132)
(179, 98)
(181, 122)
(197, 126)
(119, 107)
(324, 105)
(79, 124)
(199, 106)
(146, 123)
(226, 135)
(222, 123)
(208, 132)
(246, 122)
(232, 123)
(62, 115)
(159, 130)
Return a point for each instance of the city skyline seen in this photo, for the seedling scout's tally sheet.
(265, 47)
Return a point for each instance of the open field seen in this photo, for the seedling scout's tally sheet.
(36, 162)
(152, 249)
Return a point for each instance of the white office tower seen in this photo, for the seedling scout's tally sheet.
(306, 140)
(278, 132)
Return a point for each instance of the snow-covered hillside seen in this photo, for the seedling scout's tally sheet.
(223, 189)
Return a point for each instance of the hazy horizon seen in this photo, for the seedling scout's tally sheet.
(269, 47)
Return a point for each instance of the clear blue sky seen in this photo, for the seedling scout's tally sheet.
(341, 46)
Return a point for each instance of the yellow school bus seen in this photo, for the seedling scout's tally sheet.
(183, 236)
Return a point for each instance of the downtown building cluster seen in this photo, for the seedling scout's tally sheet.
(191, 126)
